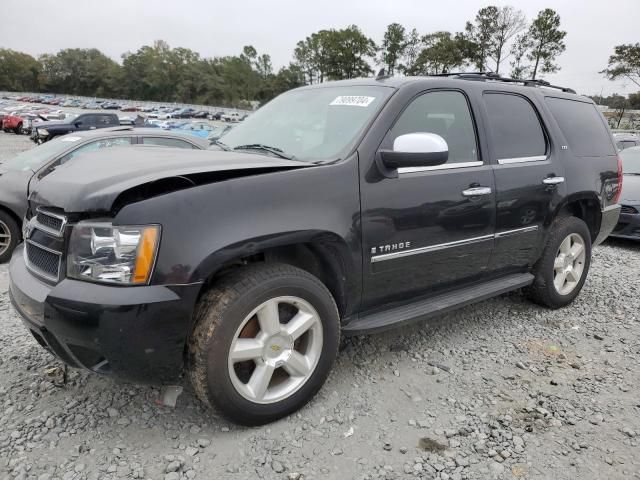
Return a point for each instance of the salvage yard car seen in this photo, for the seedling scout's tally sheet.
(340, 208)
(629, 223)
(22, 172)
(46, 131)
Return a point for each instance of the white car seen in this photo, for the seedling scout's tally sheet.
(232, 117)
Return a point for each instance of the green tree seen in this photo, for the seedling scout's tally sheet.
(546, 42)
(19, 72)
(520, 69)
(634, 101)
(412, 48)
(393, 47)
(481, 33)
(624, 63)
(442, 53)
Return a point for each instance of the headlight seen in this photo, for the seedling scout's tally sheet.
(43, 132)
(101, 252)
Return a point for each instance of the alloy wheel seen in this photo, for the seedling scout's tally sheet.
(569, 264)
(5, 237)
(275, 350)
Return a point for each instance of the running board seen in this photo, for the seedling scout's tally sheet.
(437, 305)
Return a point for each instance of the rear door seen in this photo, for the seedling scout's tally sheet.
(529, 176)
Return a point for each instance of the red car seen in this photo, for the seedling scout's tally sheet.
(12, 123)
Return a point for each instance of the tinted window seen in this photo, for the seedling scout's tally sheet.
(446, 114)
(515, 127)
(167, 142)
(96, 145)
(582, 126)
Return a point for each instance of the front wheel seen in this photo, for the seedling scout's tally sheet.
(9, 236)
(264, 341)
(562, 269)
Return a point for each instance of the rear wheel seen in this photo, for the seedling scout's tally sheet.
(9, 236)
(18, 129)
(562, 269)
(264, 342)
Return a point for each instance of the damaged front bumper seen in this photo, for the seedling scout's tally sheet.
(135, 333)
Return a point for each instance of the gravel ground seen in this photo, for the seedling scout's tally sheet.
(502, 389)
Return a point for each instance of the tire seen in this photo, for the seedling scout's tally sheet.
(548, 288)
(17, 129)
(228, 315)
(8, 226)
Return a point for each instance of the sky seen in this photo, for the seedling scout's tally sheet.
(215, 28)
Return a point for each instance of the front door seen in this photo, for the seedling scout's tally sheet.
(429, 228)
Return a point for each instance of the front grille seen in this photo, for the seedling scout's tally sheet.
(43, 261)
(50, 222)
(628, 209)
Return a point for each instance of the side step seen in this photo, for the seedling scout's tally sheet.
(437, 305)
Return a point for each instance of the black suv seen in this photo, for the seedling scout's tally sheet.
(45, 131)
(340, 208)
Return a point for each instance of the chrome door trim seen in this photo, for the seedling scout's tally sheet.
(508, 233)
(430, 248)
(457, 243)
(507, 161)
(445, 166)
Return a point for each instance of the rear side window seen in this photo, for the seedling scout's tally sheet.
(167, 142)
(515, 127)
(582, 126)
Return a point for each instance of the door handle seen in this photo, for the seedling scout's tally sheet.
(476, 191)
(553, 180)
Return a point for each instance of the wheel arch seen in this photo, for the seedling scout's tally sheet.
(586, 207)
(323, 254)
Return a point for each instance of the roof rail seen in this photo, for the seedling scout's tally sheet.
(484, 76)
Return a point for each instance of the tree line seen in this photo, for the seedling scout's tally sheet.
(497, 39)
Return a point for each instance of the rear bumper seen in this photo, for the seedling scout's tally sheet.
(135, 333)
(609, 220)
(628, 226)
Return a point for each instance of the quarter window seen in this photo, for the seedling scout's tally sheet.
(515, 127)
(445, 113)
(583, 127)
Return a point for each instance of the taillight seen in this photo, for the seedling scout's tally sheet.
(617, 195)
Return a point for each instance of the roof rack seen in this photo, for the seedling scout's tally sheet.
(484, 76)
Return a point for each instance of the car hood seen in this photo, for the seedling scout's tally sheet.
(630, 189)
(54, 123)
(104, 181)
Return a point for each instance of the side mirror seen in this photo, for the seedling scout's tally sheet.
(78, 123)
(416, 150)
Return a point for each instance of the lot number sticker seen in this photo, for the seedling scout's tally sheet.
(353, 101)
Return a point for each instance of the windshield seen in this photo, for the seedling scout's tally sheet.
(34, 158)
(312, 124)
(631, 160)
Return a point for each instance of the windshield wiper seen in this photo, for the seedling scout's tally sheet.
(265, 148)
(218, 143)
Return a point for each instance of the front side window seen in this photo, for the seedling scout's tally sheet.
(515, 127)
(166, 142)
(312, 124)
(445, 113)
(96, 145)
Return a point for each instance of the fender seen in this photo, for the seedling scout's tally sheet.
(206, 227)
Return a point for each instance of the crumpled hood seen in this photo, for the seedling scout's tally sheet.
(92, 182)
